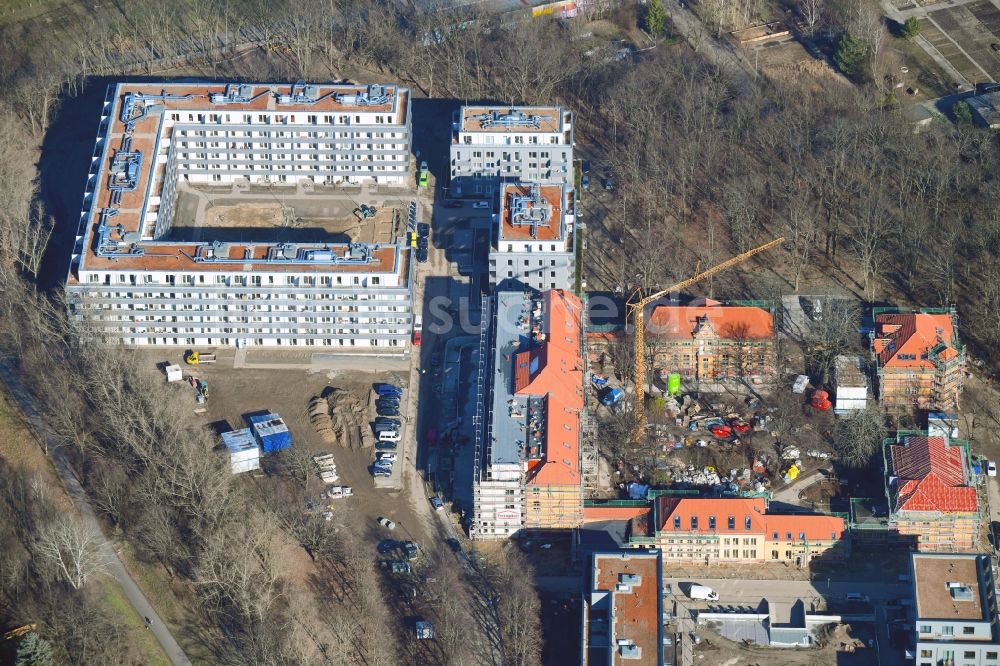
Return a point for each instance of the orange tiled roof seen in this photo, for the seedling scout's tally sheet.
(728, 321)
(703, 509)
(931, 476)
(559, 377)
(904, 340)
(815, 528)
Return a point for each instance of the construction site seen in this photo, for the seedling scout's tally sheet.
(323, 214)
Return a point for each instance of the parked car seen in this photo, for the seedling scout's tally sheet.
(386, 523)
(481, 204)
(585, 166)
(388, 389)
(454, 544)
(381, 471)
(437, 503)
(608, 184)
(383, 465)
(585, 182)
(397, 567)
(452, 203)
(387, 402)
(385, 446)
(422, 242)
(421, 255)
(387, 411)
(383, 456)
(410, 549)
(423, 229)
(386, 546)
(991, 468)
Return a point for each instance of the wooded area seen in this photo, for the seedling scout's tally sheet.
(709, 162)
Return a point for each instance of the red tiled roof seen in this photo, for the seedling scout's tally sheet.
(812, 527)
(904, 340)
(703, 509)
(931, 476)
(728, 321)
(559, 377)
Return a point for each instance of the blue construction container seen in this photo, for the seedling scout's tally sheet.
(270, 432)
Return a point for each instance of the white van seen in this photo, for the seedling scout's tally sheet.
(389, 436)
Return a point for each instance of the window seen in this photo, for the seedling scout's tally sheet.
(711, 519)
(968, 631)
(788, 535)
(802, 536)
(948, 630)
(969, 654)
(991, 655)
(746, 522)
(926, 653)
(677, 522)
(694, 522)
(925, 629)
(775, 536)
(732, 522)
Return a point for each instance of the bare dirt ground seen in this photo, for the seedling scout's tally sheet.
(235, 393)
(842, 648)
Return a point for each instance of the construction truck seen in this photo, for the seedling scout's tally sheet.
(198, 358)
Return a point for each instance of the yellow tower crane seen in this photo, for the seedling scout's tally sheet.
(637, 308)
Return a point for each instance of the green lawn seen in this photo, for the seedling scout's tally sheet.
(144, 640)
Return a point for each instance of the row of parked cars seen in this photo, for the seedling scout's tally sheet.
(388, 429)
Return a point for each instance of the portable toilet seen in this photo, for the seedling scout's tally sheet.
(244, 454)
(270, 431)
(674, 383)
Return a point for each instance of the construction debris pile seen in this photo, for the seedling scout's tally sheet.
(337, 417)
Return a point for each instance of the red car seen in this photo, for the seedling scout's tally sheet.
(416, 338)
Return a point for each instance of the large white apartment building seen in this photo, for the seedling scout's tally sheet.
(533, 238)
(131, 280)
(491, 145)
(956, 623)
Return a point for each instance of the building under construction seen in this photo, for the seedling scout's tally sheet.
(529, 412)
(141, 276)
(932, 497)
(919, 359)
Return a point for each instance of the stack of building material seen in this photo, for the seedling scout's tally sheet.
(244, 455)
(319, 414)
(174, 373)
(851, 388)
(327, 468)
(271, 432)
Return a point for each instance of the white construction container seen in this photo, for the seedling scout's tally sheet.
(174, 373)
(244, 454)
(851, 385)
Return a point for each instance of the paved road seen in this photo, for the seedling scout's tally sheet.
(116, 568)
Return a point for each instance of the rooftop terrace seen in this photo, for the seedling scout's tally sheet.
(130, 174)
(547, 119)
(948, 587)
(531, 212)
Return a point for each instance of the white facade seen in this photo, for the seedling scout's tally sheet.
(956, 622)
(127, 284)
(493, 144)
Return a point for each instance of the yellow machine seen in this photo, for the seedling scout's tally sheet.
(197, 358)
(637, 308)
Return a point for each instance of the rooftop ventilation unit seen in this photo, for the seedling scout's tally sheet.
(236, 93)
(375, 95)
(137, 106)
(530, 209)
(301, 93)
(960, 592)
(510, 120)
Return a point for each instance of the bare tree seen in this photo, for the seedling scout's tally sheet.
(73, 548)
(812, 13)
(833, 331)
(858, 436)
